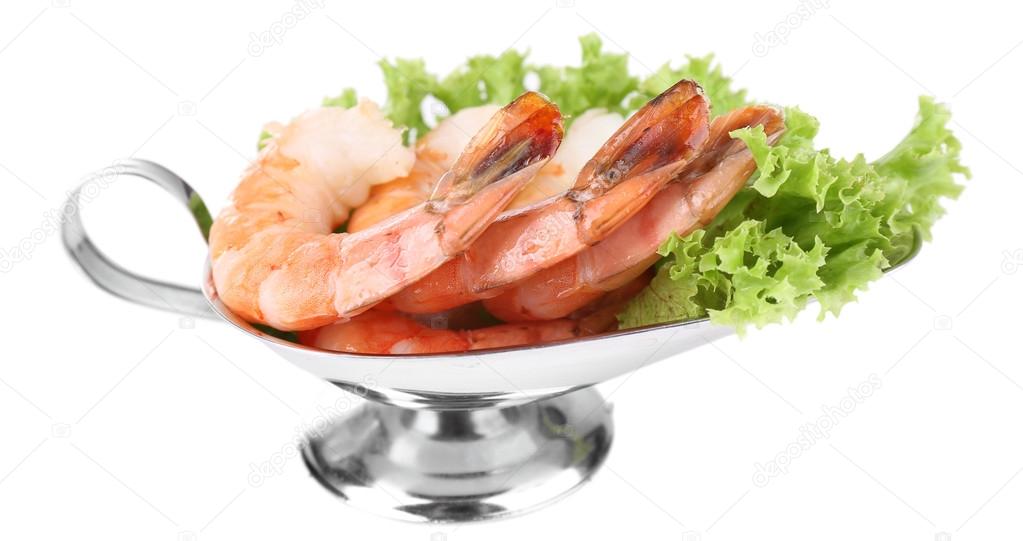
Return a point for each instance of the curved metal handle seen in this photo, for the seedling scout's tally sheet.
(114, 278)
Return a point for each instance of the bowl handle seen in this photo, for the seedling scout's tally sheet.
(114, 278)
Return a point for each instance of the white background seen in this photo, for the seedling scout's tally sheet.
(123, 422)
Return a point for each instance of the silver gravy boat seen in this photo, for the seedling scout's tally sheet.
(440, 437)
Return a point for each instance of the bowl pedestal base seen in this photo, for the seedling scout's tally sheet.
(437, 465)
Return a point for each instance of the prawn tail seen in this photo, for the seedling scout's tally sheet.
(499, 161)
(651, 148)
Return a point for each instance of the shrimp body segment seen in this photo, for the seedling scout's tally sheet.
(301, 186)
(274, 266)
(649, 150)
(689, 203)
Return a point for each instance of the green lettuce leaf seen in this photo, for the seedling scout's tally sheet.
(808, 226)
(347, 99)
(601, 81)
(264, 136)
(921, 170)
(483, 79)
(408, 84)
(748, 275)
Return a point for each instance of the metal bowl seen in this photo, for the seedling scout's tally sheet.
(441, 437)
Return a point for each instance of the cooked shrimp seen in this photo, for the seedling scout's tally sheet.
(275, 260)
(435, 155)
(685, 205)
(385, 332)
(437, 150)
(653, 146)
